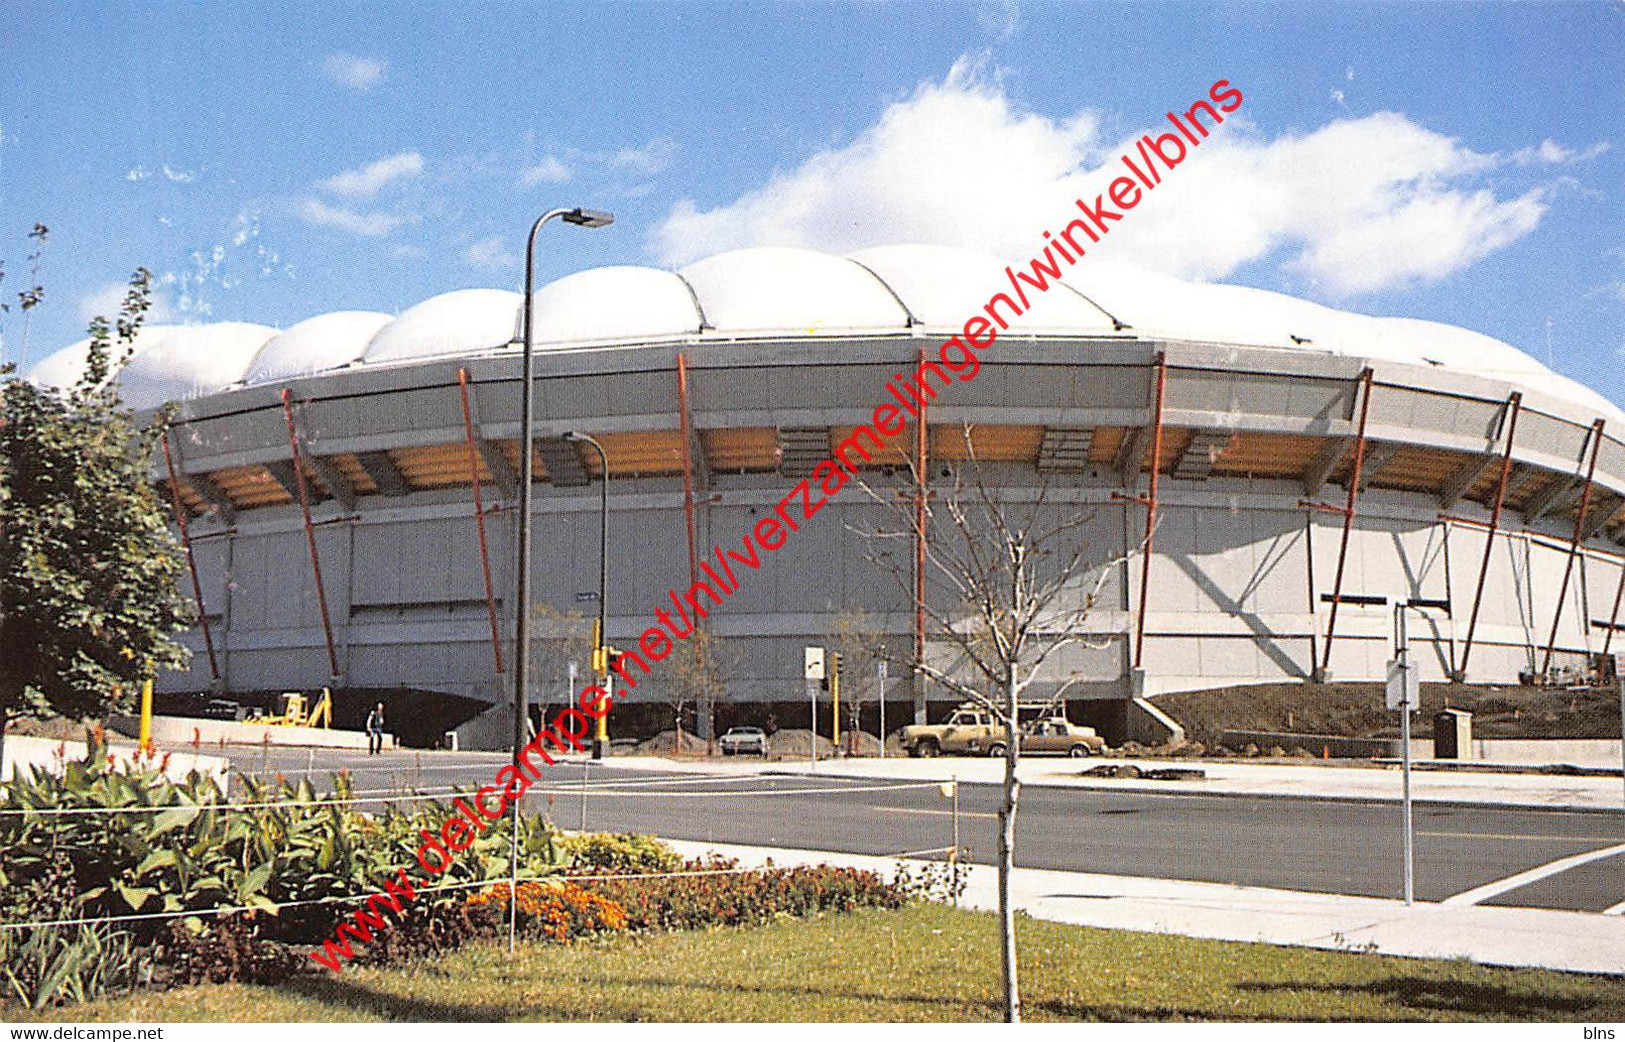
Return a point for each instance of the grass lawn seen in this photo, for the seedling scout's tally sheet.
(924, 963)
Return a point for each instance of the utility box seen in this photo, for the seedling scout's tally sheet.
(1453, 735)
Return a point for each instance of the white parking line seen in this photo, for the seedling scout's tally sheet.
(1480, 894)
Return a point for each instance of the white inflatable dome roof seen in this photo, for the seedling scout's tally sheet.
(191, 362)
(785, 292)
(463, 322)
(316, 345)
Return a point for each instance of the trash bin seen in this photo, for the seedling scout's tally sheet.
(1453, 735)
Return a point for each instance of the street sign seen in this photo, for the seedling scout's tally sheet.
(813, 663)
(1404, 686)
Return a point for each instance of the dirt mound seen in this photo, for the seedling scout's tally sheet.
(793, 743)
(1357, 710)
(665, 743)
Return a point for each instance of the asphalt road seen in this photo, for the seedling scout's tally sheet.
(1326, 846)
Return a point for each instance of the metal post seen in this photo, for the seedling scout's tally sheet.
(1348, 521)
(835, 705)
(880, 668)
(191, 563)
(812, 727)
(479, 518)
(1404, 655)
(145, 742)
(1515, 405)
(310, 531)
(954, 857)
(527, 469)
(921, 491)
(1150, 508)
(586, 770)
(1574, 545)
(513, 879)
(1619, 675)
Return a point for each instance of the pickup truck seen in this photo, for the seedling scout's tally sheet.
(973, 731)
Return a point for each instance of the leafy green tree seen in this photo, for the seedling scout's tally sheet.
(88, 596)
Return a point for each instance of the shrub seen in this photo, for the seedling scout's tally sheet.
(556, 909)
(619, 852)
(725, 897)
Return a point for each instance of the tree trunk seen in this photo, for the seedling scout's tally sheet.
(4, 715)
(1007, 859)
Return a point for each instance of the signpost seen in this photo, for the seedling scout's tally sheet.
(880, 669)
(812, 671)
(1404, 690)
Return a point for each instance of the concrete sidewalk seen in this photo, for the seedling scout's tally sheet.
(1577, 941)
(1224, 778)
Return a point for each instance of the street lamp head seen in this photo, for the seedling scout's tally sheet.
(589, 218)
(572, 435)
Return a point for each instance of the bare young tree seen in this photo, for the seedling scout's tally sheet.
(563, 637)
(861, 642)
(1011, 585)
(697, 676)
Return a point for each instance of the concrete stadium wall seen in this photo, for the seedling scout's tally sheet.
(1238, 588)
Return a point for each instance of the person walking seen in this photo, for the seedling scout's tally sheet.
(375, 730)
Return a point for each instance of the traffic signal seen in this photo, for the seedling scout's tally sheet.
(832, 673)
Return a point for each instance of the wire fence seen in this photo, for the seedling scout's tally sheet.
(218, 910)
(642, 788)
(627, 788)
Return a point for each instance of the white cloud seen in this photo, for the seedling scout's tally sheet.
(365, 182)
(354, 71)
(1352, 206)
(141, 173)
(491, 254)
(107, 300)
(1550, 153)
(547, 172)
(344, 219)
(647, 161)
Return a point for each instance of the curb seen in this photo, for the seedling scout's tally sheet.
(1152, 789)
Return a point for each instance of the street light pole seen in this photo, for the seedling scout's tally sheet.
(603, 571)
(527, 466)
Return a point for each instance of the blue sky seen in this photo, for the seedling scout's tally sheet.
(1455, 162)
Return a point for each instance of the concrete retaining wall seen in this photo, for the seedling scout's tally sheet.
(1581, 752)
(51, 754)
(183, 730)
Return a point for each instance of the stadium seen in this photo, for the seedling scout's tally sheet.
(346, 487)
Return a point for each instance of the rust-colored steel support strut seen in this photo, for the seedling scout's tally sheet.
(1160, 395)
(1595, 437)
(1349, 508)
(479, 518)
(310, 532)
(921, 490)
(1514, 407)
(191, 562)
(688, 465)
(1613, 616)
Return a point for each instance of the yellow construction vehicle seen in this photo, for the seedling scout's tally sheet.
(294, 713)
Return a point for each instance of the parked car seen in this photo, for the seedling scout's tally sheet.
(1059, 735)
(970, 730)
(973, 731)
(741, 740)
